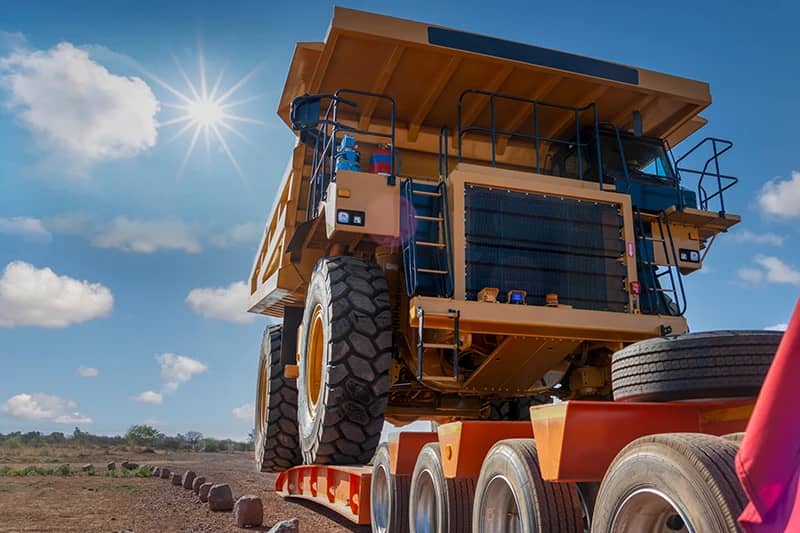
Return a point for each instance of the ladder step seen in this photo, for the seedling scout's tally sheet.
(426, 193)
(430, 219)
(431, 244)
(433, 271)
(439, 345)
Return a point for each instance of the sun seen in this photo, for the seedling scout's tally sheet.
(207, 112)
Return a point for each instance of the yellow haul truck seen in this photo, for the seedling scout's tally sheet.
(493, 236)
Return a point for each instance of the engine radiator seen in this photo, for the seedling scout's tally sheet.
(545, 244)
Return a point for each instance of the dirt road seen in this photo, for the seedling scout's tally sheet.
(99, 503)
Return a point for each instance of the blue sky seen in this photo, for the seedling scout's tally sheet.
(112, 207)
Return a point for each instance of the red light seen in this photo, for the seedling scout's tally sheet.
(636, 288)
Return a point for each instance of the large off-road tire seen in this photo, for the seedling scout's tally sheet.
(717, 364)
(388, 495)
(345, 356)
(671, 482)
(512, 497)
(437, 504)
(277, 445)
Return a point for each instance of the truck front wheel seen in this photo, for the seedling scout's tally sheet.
(345, 356)
(276, 443)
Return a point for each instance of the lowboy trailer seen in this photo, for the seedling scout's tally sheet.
(493, 236)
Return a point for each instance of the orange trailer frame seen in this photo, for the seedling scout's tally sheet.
(576, 441)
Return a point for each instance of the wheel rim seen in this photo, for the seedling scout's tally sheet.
(426, 517)
(648, 509)
(315, 354)
(500, 508)
(380, 499)
(261, 411)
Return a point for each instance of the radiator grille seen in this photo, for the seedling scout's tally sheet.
(544, 244)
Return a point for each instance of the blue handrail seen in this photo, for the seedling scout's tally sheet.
(493, 131)
(729, 181)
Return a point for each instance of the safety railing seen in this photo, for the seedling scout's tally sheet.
(324, 131)
(710, 170)
(494, 132)
(444, 161)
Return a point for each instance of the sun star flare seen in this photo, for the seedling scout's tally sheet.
(207, 112)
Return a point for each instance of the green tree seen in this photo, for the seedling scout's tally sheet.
(193, 438)
(143, 435)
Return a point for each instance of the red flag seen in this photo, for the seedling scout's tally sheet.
(768, 462)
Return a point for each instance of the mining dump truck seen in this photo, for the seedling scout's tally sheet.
(493, 236)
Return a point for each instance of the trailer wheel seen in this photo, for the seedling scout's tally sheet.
(735, 438)
(277, 445)
(717, 364)
(671, 482)
(511, 495)
(437, 504)
(345, 356)
(388, 495)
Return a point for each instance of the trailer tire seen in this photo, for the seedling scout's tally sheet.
(388, 495)
(512, 496)
(277, 446)
(716, 364)
(345, 356)
(437, 504)
(661, 482)
(735, 438)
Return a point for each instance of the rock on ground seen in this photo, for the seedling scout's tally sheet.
(127, 465)
(156, 471)
(164, 473)
(286, 526)
(187, 479)
(199, 480)
(203, 491)
(220, 497)
(112, 465)
(175, 478)
(87, 467)
(248, 511)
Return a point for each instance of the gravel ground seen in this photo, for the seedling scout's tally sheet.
(99, 503)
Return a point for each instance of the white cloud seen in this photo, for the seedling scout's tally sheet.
(772, 270)
(222, 303)
(147, 236)
(30, 296)
(751, 275)
(25, 227)
(759, 238)
(87, 372)
(38, 406)
(244, 412)
(148, 396)
(154, 422)
(238, 234)
(75, 106)
(777, 327)
(781, 197)
(150, 235)
(177, 369)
